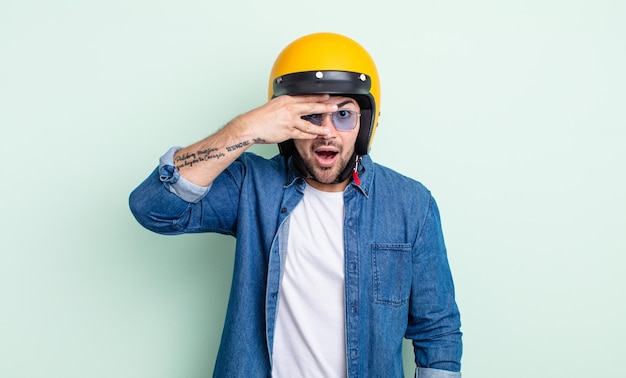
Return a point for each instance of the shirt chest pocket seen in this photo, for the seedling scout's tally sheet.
(391, 265)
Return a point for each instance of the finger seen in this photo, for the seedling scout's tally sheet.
(308, 104)
(303, 136)
(321, 108)
(310, 129)
(312, 108)
(308, 98)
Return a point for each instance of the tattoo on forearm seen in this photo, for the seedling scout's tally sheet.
(238, 146)
(189, 159)
(209, 152)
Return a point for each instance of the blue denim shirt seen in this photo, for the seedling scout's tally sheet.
(397, 278)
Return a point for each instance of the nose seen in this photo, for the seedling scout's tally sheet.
(327, 119)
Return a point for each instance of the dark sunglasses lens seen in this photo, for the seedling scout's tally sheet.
(315, 119)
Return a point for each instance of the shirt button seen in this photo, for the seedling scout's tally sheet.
(354, 353)
(283, 210)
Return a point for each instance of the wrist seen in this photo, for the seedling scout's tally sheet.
(242, 131)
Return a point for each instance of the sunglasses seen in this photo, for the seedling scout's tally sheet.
(343, 120)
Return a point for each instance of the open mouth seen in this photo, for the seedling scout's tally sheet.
(326, 157)
(326, 154)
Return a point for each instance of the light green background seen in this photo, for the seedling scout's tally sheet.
(511, 112)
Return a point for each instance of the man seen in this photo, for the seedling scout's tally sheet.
(337, 258)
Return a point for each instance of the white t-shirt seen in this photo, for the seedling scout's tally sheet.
(309, 339)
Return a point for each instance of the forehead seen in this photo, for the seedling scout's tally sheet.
(343, 101)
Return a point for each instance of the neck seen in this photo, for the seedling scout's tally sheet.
(334, 187)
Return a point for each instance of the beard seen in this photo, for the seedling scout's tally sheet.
(336, 173)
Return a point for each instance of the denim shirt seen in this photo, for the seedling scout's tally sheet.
(397, 278)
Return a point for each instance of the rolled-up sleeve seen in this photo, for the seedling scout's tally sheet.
(435, 373)
(175, 183)
(162, 202)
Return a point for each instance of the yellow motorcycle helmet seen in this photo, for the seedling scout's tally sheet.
(330, 63)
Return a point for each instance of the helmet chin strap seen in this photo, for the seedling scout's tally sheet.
(298, 165)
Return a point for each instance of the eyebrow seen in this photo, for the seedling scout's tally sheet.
(345, 103)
